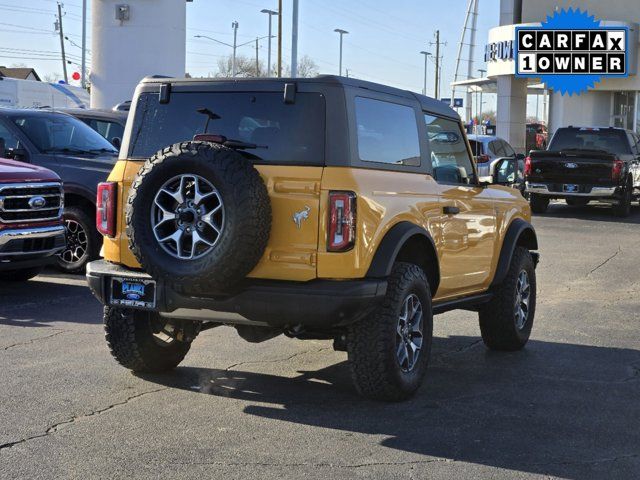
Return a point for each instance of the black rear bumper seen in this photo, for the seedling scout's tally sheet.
(316, 303)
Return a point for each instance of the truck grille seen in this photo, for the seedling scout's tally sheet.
(30, 202)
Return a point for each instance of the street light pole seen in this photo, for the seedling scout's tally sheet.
(294, 40)
(270, 13)
(426, 56)
(235, 41)
(341, 32)
(279, 38)
(83, 80)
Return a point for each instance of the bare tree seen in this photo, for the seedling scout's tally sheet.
(52, 77)
(245, 67)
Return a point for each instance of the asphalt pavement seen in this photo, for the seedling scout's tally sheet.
(566, 406)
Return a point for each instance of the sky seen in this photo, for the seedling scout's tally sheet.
(383, 44)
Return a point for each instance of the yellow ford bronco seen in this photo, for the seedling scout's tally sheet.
(324, 208)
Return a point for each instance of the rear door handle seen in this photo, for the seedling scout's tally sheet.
(449, 210)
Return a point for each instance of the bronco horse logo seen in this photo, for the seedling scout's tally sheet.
(298, 217)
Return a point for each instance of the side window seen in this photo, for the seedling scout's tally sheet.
(10, 140)
(449, 155)
(387, 132)
(493, 147)
(476, 147)
(508, 150)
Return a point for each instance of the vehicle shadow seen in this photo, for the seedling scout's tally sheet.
(594, 212)
(554, 409)
(45, 300)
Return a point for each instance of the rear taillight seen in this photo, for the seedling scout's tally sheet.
(106, 208)
(616, 170)
(482, 159)
(342, 221)
(527, 166)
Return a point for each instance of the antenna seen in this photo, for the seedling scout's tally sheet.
(469, 36)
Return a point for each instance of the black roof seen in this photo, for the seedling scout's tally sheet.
(427, 103)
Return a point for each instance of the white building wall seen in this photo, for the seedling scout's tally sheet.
(589, 109)
(151, 42)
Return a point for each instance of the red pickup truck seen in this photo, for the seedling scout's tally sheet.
(31, 229)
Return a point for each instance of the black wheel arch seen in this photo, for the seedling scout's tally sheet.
(519, 234)
(407, 242)
(78, 196)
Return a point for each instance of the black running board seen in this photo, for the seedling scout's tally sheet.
(465, 303)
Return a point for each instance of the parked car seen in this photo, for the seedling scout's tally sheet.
(31, 229)
(357, 229)
(108, 123)
(584, 164)
(488, 149)
(79, 155)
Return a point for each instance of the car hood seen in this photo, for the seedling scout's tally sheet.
(12, 171)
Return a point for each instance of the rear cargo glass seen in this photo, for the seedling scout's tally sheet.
(607, 140)
(292, 133)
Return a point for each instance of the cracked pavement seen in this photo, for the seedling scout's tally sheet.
(565, 407)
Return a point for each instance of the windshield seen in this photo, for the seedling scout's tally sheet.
(607, 140)
(61, 133)
(277, 132)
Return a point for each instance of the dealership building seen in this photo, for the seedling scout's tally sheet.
(612, 102)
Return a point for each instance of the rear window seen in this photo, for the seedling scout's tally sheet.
(607, 140)
(285, 133)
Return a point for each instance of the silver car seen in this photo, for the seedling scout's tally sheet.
(488, 149)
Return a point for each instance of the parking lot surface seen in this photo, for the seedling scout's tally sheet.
(566, 406)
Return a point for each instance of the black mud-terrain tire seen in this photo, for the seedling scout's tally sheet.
(539, 203)
(130, 337)
(247, 217)
(577, 202)
(371, 342)
(498, 317)
(21, 275)
(87, 234)
(623, 208)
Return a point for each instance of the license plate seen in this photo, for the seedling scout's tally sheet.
(131, 292)
(571, 188)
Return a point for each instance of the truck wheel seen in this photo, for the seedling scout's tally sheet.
(83, 240)
(577, 202)
(143, 341)
(198, 217)
(506, 321)
(539, 204)
(623, 208)
(21, 275)
(388, 353)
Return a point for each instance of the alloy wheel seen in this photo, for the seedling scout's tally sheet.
(523, 296)
(187, 216)
(77, 242)
(409, 333)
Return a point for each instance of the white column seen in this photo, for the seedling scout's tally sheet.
(512, 111)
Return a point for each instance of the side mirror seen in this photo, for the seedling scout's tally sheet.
(16, 153)
(520, 156)
(116, 142)
(505, 171)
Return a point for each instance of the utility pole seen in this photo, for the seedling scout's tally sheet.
(437, 43)
(257, 59)
(294, 40)
(64, 57)
(235, 43)
(279, 38)
(426, 56)
(341, 32)
(83, 78)
(270, 13)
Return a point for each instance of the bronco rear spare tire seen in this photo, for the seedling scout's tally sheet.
(198, 217)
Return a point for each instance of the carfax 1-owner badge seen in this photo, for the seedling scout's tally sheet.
(571, 51)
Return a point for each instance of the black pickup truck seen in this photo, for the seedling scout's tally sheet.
(584, 164)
